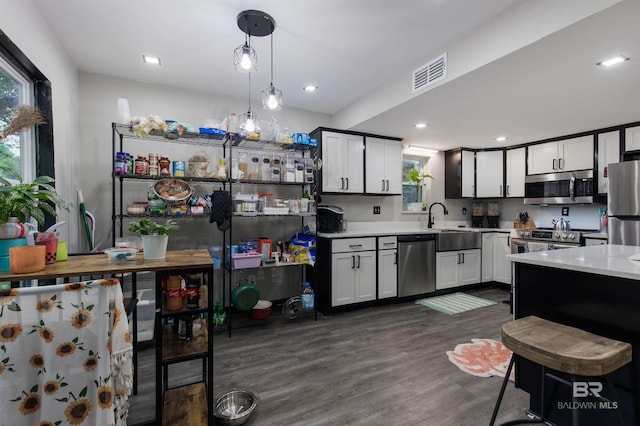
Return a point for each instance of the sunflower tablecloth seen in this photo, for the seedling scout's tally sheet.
(65, 355)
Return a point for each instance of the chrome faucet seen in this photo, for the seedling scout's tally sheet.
(429, 220)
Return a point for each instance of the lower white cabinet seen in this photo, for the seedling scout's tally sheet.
(595, 241)
(495, 265)
(387, 267)
(502, 265)
(457, 268)
(353, 271)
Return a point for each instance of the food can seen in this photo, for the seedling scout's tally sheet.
(153, 159)
(153, 170)
(178, 168)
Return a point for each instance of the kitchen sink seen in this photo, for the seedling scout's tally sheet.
(457, 239)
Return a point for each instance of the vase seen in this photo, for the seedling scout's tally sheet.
(155, 246)
(13, 228)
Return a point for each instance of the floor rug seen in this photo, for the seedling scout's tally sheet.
(455, 303)
(482, 357)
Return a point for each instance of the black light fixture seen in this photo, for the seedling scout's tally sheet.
(252, 23)
(272, 97)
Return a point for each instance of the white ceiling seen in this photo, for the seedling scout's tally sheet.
(351, 49)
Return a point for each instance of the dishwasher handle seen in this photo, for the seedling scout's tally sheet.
(416, 237)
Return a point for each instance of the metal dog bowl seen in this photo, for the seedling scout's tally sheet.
(235, 407)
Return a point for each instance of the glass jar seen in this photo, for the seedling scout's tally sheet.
(165, 166)
(276, 169)
(254, 168)
(243, 165)
(265, 168)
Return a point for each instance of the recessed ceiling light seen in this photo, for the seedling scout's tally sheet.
(150, 60)
(421, 125)
(613, 61)
(501, 138)
(310, 88)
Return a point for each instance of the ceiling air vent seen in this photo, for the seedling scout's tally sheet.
(430, 73)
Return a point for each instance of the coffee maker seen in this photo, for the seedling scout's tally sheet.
(493, 215)
(477, 215)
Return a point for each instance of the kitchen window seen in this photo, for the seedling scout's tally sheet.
(21, 83)
(413, 196)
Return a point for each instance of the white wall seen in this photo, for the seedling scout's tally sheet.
(21, 21)
(98, 100)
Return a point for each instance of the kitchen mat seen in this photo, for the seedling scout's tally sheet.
(455, 303)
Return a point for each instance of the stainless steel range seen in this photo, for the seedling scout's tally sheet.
(530, 240)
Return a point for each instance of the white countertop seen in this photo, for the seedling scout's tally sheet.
(606, 259)
(376, 229)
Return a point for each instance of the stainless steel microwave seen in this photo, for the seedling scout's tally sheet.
(559, 188)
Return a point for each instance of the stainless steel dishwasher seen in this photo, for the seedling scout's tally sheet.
(416, 264)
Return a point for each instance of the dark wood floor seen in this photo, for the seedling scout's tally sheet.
(376, 366)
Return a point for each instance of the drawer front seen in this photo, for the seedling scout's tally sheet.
(353, 244)
(387, 243)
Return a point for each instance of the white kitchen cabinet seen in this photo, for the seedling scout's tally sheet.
(457, 268)
(502, 265)
(595, 241)
(383, 166)
(468, 174)
(488, 239)
(561, 156)
(353, 271)
(608, 153)
(632, 139)
(489, 173)
(387, 267)
(342, 162)
(516, 166)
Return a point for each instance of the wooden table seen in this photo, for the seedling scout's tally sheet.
(99, 264)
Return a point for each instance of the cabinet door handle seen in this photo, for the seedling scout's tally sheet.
(462, 257)
(341, 183)
(383, 184)
(358, 261)
(559, 163)
(508, 189)
(347, 179)
(500, 190)
(396, 260)
(554, 164)
(387, 185)
(353, 261)
(355, 245)
(458, 258)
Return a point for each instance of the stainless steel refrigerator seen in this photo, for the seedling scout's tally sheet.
(624, 203)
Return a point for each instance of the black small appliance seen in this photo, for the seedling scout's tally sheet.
(330, 219)
(477, 221)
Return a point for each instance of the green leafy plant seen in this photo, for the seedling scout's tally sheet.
(28, 200)
(149, 227)
(417, 179)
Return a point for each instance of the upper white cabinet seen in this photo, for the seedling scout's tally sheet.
(516, 162)
(608, 152)
(342, 162)
(383, 166)
(489, 173)
(561, 156)
(632, 139)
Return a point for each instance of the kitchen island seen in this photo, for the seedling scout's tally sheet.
(595, 288)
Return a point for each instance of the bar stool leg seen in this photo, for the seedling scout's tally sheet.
(575, 412)
(502, 389)
(614, 393)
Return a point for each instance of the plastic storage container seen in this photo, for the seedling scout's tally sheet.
(119, 254)
(246, 260)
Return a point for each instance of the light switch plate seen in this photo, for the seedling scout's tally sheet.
(376, 209)
(565, 211)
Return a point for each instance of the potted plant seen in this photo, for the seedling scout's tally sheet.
(155, 236)
(20, 201)
(417, 179)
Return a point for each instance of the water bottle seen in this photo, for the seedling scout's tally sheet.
(308, 297)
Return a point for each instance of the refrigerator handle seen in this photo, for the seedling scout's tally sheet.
(572, 187)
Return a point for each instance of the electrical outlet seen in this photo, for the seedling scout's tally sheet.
(565, 211)
(464, 211)
(251, 278)
(376, 209)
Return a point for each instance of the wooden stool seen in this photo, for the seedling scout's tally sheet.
(562, 348)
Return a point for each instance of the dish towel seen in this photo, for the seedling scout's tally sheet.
(65, 355)
(221, 209)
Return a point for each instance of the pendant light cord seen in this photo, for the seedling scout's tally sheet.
(271, 59)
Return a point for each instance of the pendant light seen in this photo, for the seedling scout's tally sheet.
(248, 120)
(271, 97)
(245, 58)
(252, 23)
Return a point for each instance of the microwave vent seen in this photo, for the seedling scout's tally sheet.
(430, 73)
